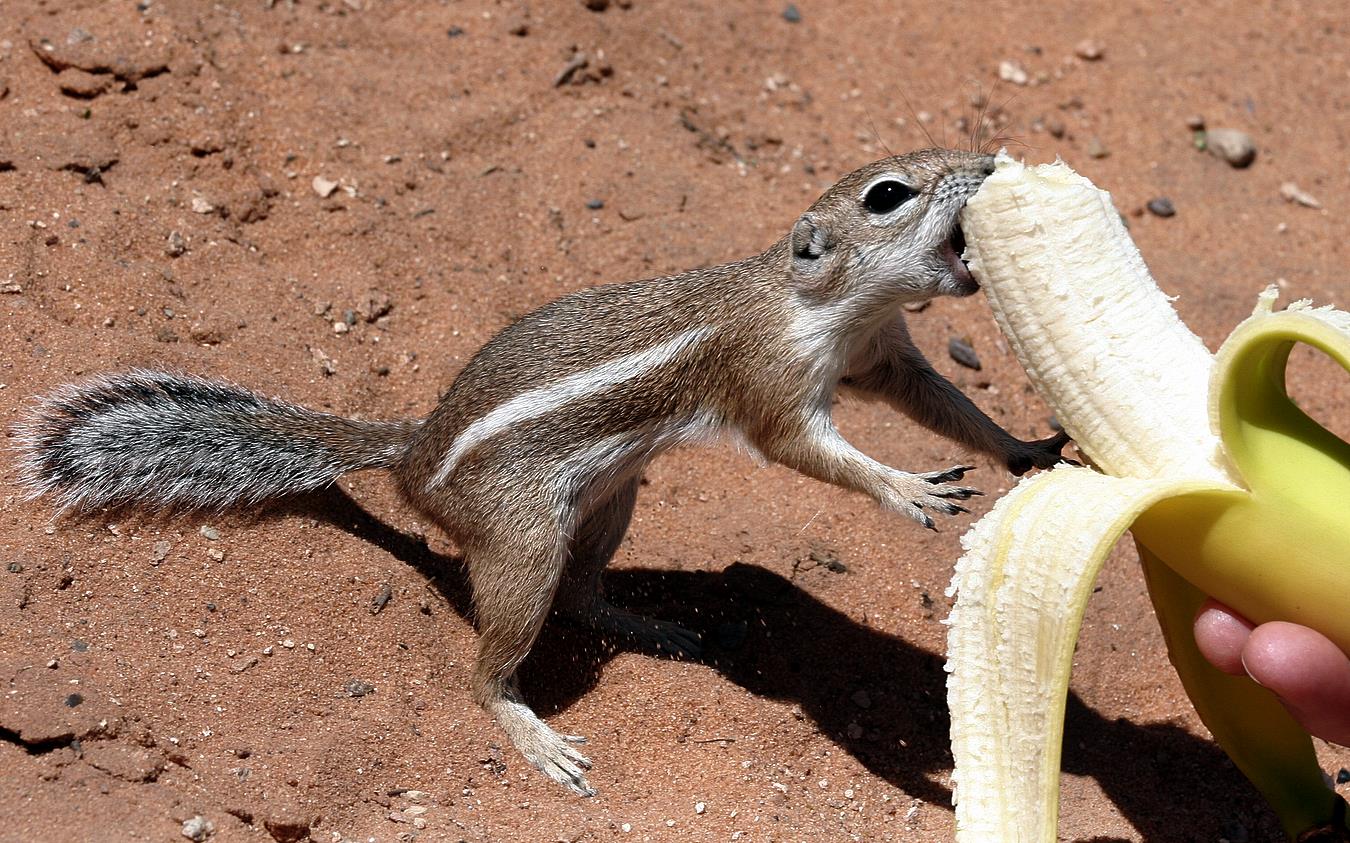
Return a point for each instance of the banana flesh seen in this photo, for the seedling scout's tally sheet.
(1229, 488)
(1079, 308)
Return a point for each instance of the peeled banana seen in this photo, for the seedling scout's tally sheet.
(1229, 489)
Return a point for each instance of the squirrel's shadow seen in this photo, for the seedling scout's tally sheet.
(876, 696)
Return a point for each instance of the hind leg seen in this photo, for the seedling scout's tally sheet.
(581, 598)
(514, 581)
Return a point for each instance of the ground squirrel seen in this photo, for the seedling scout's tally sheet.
(531, 460)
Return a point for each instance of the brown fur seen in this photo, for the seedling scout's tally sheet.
(501, 502)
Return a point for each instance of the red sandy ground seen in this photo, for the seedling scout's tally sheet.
(464, 174)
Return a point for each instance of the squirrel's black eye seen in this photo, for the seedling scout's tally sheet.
(885, 196)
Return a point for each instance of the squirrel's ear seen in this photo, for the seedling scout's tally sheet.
(811, 240)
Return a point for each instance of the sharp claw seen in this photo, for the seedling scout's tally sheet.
(574, 781)
(954, 473)
(960, 493)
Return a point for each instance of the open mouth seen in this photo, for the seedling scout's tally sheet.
(951, 251)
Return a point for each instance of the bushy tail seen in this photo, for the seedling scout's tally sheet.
(173, 440)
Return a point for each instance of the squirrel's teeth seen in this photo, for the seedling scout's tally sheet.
(1099, 340)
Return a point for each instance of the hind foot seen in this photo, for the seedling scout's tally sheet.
(645, 633)
(551, 753)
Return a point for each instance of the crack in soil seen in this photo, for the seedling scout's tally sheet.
(38, 747)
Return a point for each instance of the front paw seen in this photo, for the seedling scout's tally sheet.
(1043, 453)
(911, 494)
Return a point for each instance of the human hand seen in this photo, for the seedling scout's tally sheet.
(1309, 673)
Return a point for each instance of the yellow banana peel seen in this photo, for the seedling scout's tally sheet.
(1229, 489)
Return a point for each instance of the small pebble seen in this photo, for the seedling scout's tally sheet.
(324, 187)
(1161, 206)
(198, 828)
(381, 599)
(963, 352)
(455, 31)
(1293, 193)
(176, 245)
(15, 567)
(1089, 50)
(1342, 776)
(595, 204)
(699, 807)
(1096, 149)
(200, 205)
(1012, 72)
(1196, 123)
(861, 699)
(596, 5)
(357, 688)
(210, 533)
(792, 14)
(1234, 146)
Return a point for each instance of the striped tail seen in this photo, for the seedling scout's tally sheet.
(177, 441)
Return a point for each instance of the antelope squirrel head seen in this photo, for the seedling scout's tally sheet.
(890, 228)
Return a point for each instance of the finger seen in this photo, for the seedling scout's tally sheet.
(1220, 634)
(1307, 671)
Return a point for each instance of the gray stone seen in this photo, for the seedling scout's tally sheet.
(1232, 145)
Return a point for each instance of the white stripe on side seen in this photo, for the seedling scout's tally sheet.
(545, 399)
